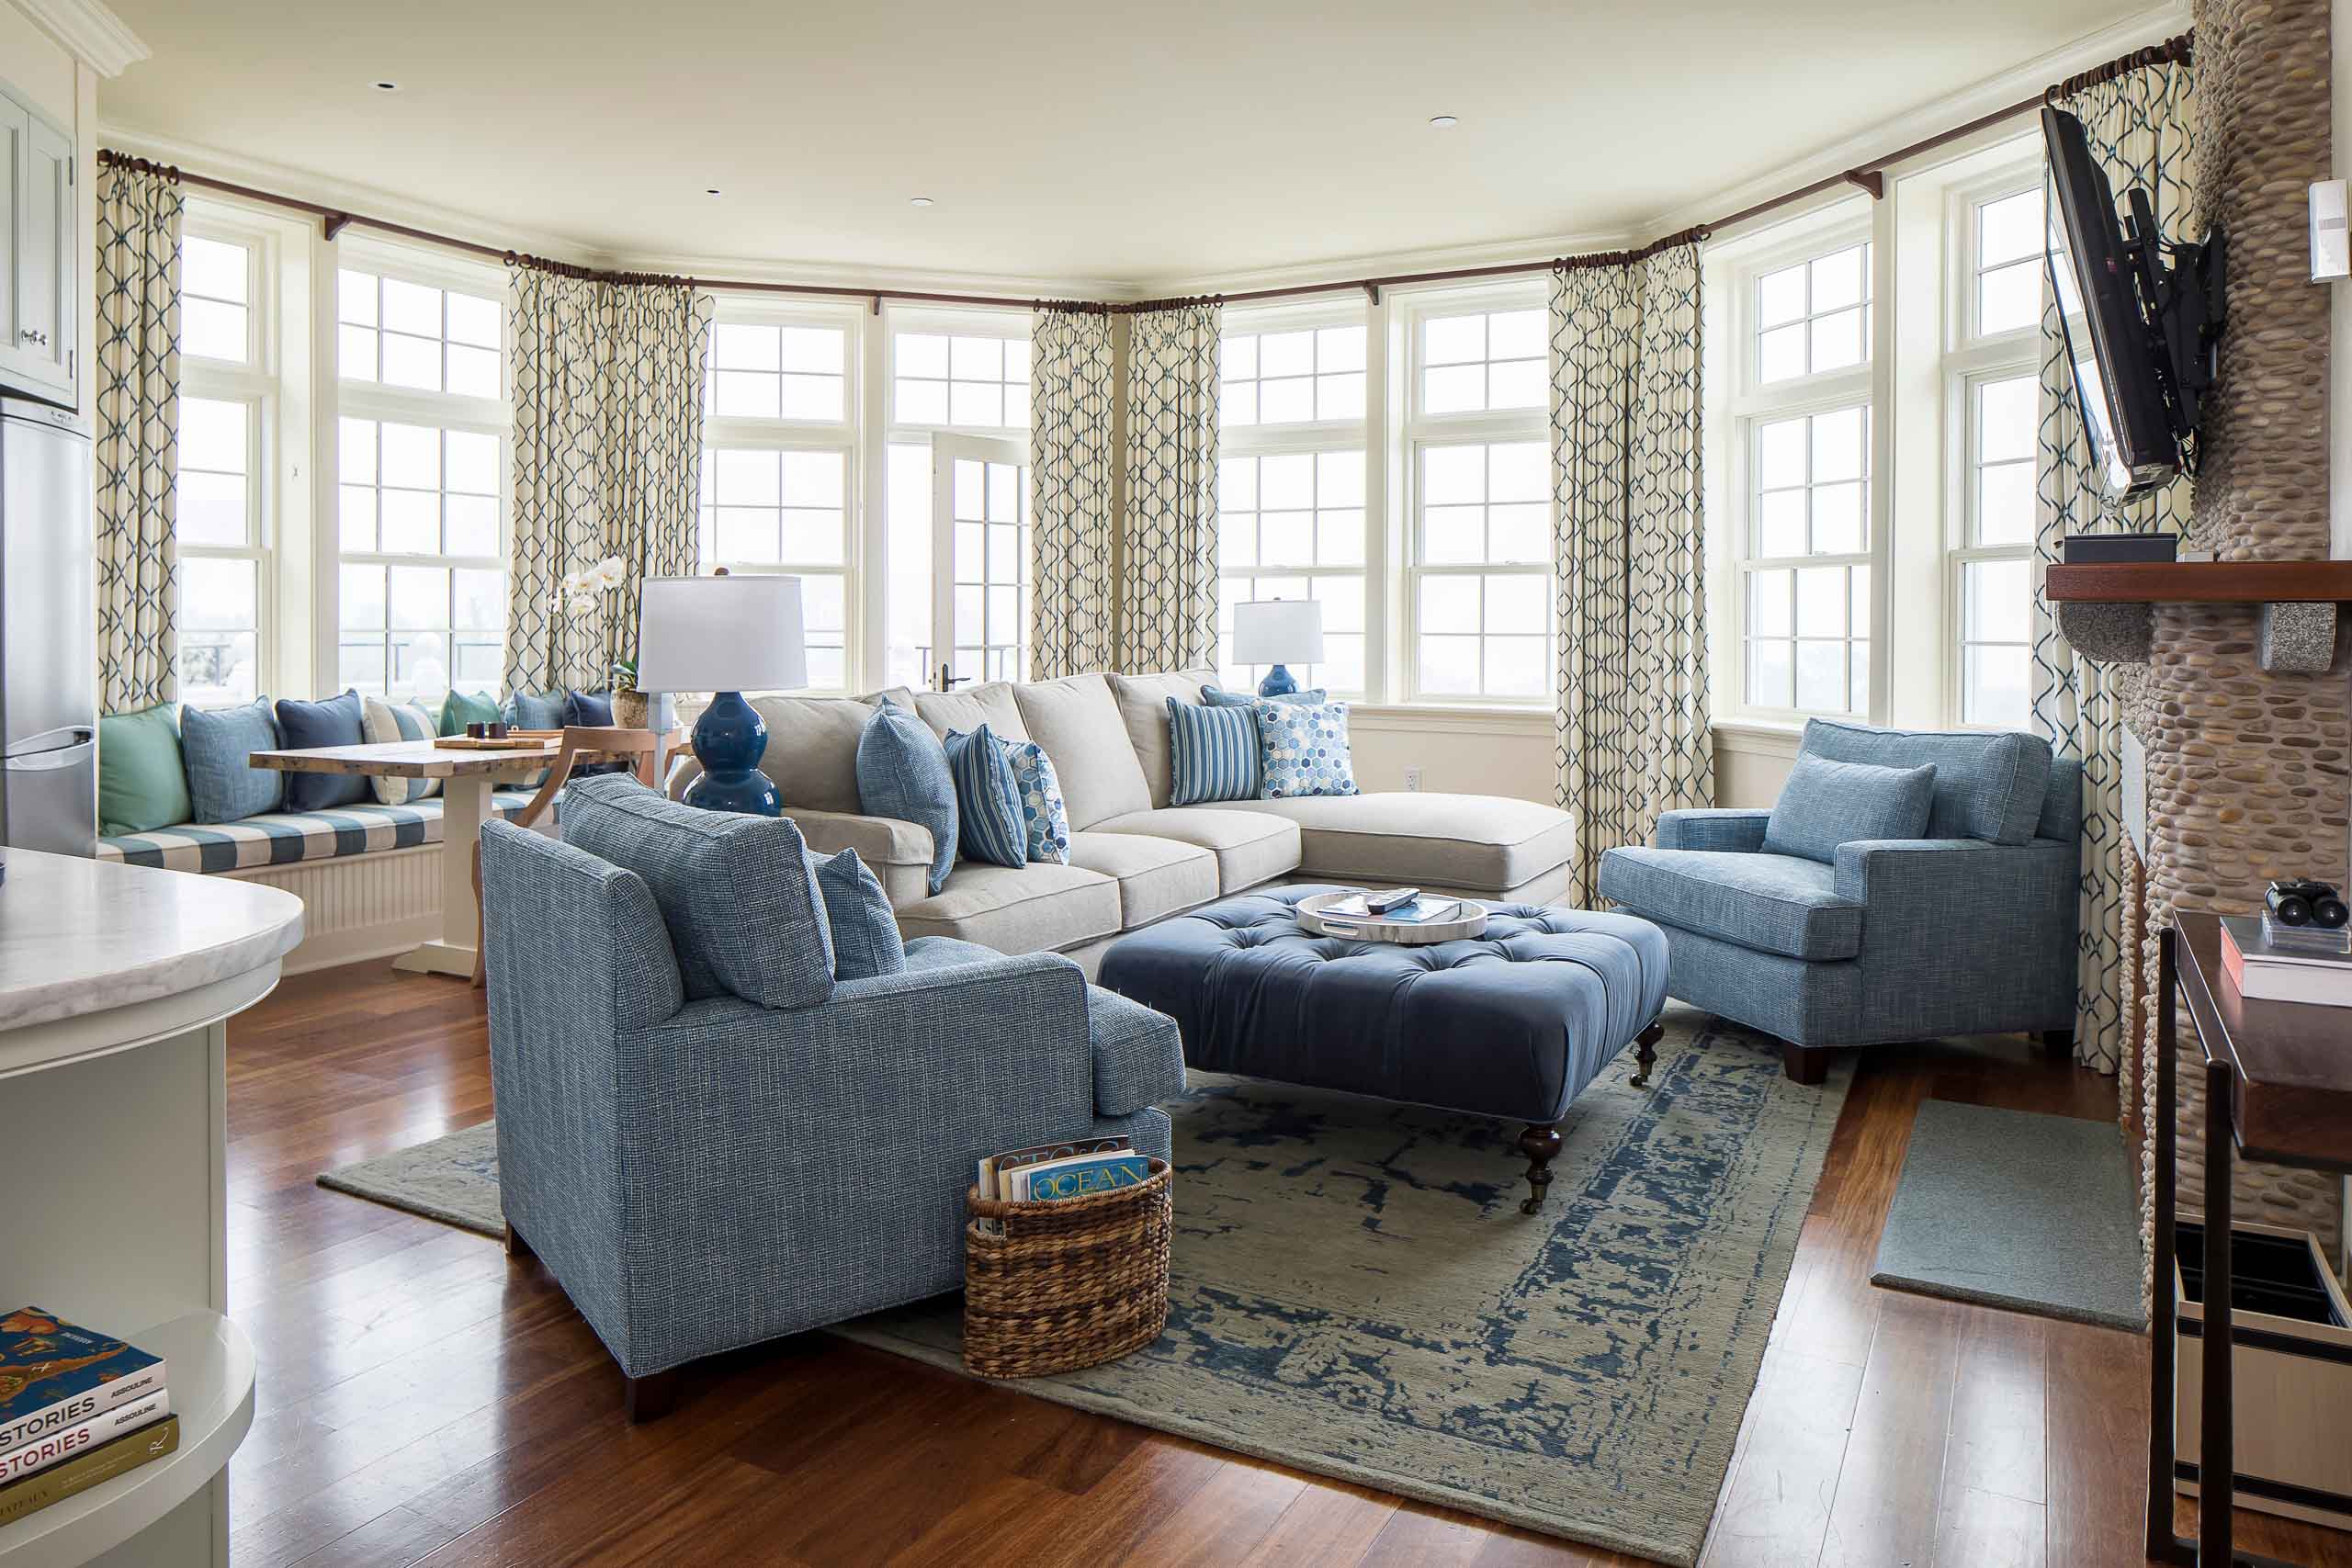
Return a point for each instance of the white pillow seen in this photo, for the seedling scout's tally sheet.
(381, 721)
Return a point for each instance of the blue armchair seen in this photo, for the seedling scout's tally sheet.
(703, 1172)
(1969, 929)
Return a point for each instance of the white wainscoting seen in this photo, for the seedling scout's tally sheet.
(359, 907)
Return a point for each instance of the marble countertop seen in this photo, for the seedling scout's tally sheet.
(85, 936)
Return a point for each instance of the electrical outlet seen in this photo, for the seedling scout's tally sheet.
(1413, 780)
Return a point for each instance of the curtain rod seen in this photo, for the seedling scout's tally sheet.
(1869, 177)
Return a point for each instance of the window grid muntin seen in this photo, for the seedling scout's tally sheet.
(1507, 382)
(727, 516)
(375, 654)
(989, 560)
(1332, 570)
(1260, 367)
(213, 646)
(1524, 466)
(962, 364)
(2015, 221)
(1994, 642)
(220, 312)
(1774, 330)
(364, 332)
(804, 374)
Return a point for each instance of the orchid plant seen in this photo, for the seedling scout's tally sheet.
(581, 595)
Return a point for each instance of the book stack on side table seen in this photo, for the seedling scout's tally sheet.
(76, 1408)
(2273, 963)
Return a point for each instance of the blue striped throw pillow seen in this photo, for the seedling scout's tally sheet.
(988, 799)
(1216, 753)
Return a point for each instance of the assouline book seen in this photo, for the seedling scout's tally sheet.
(55, 1447)
(88, 1469)
(54, 1375)
(2266, 969)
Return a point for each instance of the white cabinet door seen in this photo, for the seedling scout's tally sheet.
(41, 264)
(16, 139)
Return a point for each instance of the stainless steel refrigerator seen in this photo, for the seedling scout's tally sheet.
(49, 696)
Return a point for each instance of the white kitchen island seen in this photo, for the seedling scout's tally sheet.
(117, 984)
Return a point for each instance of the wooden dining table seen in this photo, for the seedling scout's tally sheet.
(467, 777)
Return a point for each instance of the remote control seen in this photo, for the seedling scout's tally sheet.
(1395, 899)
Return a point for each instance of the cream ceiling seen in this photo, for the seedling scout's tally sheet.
(1113, 140)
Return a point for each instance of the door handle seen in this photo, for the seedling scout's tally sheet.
(28, 758)
(949, 682)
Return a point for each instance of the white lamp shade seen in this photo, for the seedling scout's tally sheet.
(1278, 631)
(721, 633)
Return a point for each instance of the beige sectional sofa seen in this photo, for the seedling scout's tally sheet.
(1134, 858)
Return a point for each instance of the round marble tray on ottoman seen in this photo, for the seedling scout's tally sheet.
(1469, 920)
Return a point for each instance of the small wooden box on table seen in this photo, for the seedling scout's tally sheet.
(2279, 1088)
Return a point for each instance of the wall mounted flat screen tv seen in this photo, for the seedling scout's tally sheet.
(2141, 316)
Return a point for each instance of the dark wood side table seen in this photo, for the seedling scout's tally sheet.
(2278, 1090)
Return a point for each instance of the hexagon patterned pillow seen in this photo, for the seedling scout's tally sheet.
(1303, 749)
(1045, 819)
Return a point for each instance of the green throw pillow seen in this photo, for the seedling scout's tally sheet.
(459, 710)
(142, 783)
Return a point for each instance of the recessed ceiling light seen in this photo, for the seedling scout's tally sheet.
(712, 191)
(388, 87)
(918, 201)
(1442, 121)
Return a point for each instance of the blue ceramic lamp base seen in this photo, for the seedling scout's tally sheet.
(1278, 682)
(729, 738)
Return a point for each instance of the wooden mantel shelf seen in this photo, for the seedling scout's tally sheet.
(2203, 582)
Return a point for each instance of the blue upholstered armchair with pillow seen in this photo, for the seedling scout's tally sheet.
(710, 1138)
(1906, 885)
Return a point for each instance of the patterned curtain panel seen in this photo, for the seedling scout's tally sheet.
(1072, 608)
(2138, 126)
(1629, 557)
(607, 460)
(137, 396)
(1168, 580)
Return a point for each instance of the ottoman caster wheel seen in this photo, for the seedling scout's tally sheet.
(1645, 1053)
(1538, 1144)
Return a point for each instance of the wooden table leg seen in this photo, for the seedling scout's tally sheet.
(2162, 1325)
(2216, 1455)
(465, 807)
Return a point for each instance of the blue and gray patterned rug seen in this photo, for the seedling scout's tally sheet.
(1355, 1293)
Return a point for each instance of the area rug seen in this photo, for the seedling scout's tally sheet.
(1355, 1293)
(2017, 1208)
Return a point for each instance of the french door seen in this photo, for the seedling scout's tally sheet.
(980, 569)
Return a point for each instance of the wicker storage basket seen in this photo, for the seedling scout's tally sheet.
(1072, 1283)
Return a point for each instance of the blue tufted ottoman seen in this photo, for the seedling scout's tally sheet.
(1511, 1024)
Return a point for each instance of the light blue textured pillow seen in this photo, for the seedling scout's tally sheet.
(1218, 697)
(736, 890)
(536, 710)
(1303, 749)
(216, 743)
(1045, 820)
(865, 934)
(988, 799)
(1212, 753)
(902, 775)
(1827, 804)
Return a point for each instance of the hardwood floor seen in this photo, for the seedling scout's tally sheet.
(423, 1399)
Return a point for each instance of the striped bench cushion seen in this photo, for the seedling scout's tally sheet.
(283, 837)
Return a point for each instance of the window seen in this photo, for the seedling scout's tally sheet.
(221, 561)
(216, 300)
(779, 464)
(967, 381)
(1478, 527)
(2009, 263)
(1813, 316)
(421, 470)
(1290, 472)
(404, 333)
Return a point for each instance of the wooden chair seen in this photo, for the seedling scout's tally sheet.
(638, 745)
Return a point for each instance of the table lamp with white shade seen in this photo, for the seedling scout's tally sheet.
(1278, 632)
(726, 636)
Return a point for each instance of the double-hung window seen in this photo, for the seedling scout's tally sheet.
(779, 462)
(1800, 481)
(1992, 381)
(423, 474)
(1291, 515)
(226, 392)
(1479, 513)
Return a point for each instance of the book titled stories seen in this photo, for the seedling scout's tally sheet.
(71, 1442)
(88, 1469)
(55, 1376)
(2267, 969)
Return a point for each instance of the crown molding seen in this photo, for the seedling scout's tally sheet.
(1932, 118)
(1537, 250)
(94, 35)
(842, 275)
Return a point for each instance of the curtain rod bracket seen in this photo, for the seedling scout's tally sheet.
(1372, 291)
(1871, 180)
(336, 222)
(878, 304)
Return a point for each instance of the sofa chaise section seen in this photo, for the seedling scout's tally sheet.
(1480, 846)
